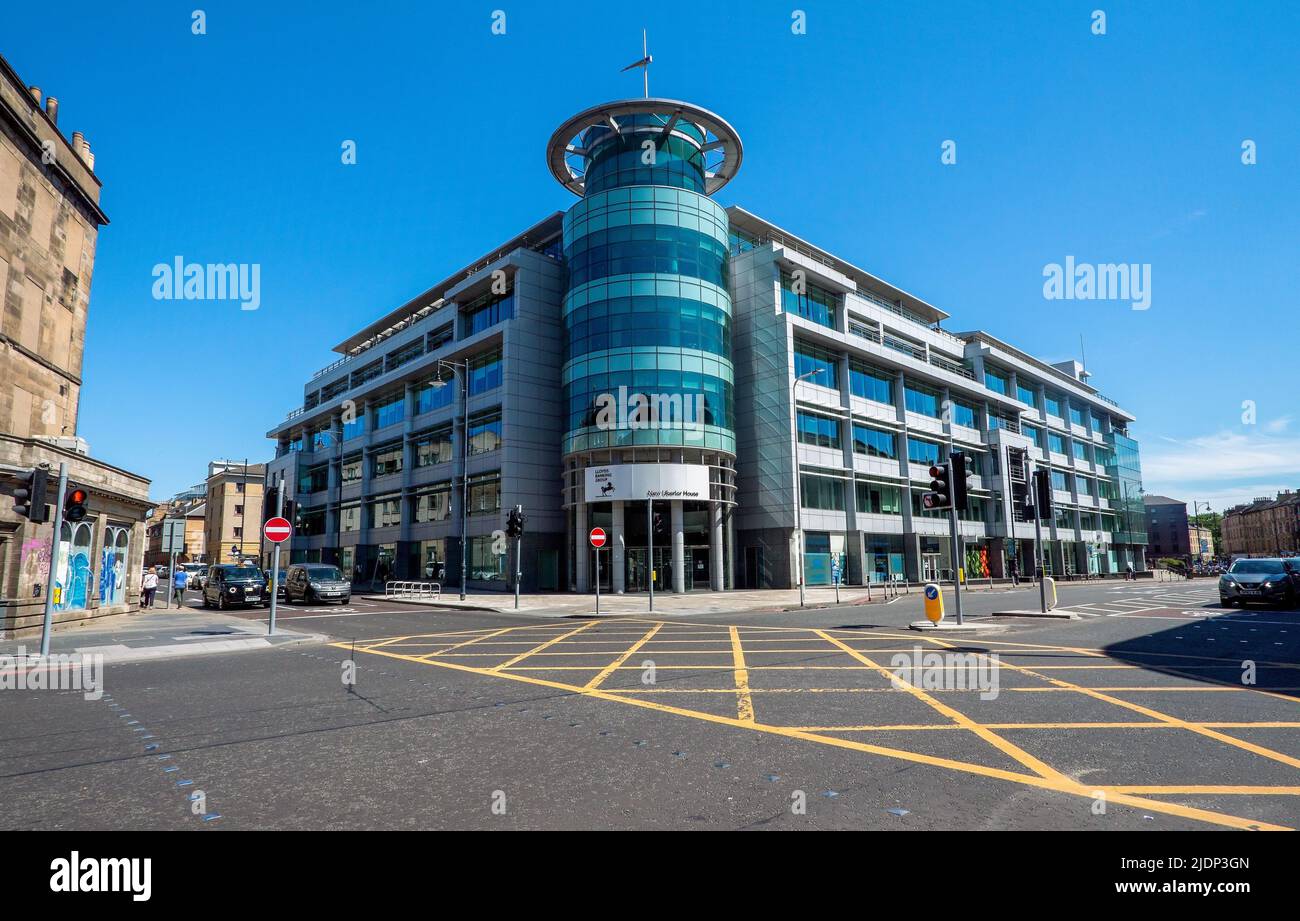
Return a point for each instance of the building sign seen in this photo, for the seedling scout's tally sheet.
(648, 481)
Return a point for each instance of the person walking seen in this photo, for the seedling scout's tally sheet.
(1128, 572)
(1014, 571)
(179, 578)
(150, 587)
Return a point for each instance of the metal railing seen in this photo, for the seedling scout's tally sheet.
(412, 590)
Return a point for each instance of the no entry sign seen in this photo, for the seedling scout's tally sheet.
(277, 530)
(598, 537)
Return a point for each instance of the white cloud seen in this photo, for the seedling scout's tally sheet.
(1224, 468)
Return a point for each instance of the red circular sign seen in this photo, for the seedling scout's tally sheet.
(598, 537)
(277, 530)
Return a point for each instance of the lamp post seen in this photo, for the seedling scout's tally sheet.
(1196, 516)
(798, 500)
(461, 370)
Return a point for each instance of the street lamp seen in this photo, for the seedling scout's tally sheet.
(798, 501)
(1196, 516)
(461, 370)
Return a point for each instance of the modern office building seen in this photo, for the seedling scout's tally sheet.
(702, 384)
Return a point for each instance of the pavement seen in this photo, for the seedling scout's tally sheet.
(1156, 709)
(156, 634)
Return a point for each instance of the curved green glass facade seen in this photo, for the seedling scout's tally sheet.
(646, 308)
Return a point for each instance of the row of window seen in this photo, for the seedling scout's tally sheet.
(429, 505)
(645, 321)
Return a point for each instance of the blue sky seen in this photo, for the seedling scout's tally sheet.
(1123, 147)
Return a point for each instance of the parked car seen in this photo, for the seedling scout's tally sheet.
(230, 584)
(316, 583)
(279, 583)
(195, 571)
(1273, 581)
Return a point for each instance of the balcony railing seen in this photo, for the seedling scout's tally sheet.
(953, 366)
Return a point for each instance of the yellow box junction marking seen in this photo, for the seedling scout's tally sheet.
(729, 639)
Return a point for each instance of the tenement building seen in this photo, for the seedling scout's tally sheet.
(1263, 527)
(49, 222)
(734, 405)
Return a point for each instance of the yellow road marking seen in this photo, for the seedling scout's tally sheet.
(1057, 784)
(617, 663)
(1165, 717)
(744, 702)
(468, 642)
(551, 642)
(1196, 790)
(1001, 744)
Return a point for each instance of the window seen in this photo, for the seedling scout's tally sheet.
(963, 413)
(314, 479)
(1076, 415)
(484, 372)
(1080, 451)
(1096, 422)
(485, 431)
(350, 518)
(238, 532)
(386, 512)
(485, 564)
(878, 499)
(921, 400)
(995, 380)
(874, 442)
(440, 337)
(871, 383)
(485, 493)
(1033, 433)
(1053, 403)
(1026, 395)
(350, 472)
(922, 452)
(487, 311)
(1055, 443)
(386, 460)
(812, 303)
(433, 448)
(354, 428)
(435, 505)
(112, 564)
(811, 358)
(1061, 480)
(405, 355)
(821, 492)
(429, 396)
(818, 430)
(239, 510)
(389, 412)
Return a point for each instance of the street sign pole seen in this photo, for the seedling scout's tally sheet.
(518, 558)
(597, 581)
(275, 562)
(650, 549)
(1038, 545)
(57, 528)
(956, 560)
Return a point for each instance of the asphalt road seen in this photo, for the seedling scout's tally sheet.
(1134, 717)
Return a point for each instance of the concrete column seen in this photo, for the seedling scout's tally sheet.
(730, 516)
(679, 546)
(715, 546)
(618, 551)
(580, 548)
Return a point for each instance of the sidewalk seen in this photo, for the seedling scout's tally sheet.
(563, 604)
(158, 635)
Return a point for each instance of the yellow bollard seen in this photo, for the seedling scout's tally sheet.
(933, 602)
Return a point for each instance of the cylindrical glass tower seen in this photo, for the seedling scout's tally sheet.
(647, 371)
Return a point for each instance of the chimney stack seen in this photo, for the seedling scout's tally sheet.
(36, 94)
(52, 109)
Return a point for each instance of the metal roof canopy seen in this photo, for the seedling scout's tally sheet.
(565, 143)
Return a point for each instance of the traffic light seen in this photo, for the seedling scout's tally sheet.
(960, 482)
(1043, 494)
(515, 523)
(940, 494)
(74, 503)
(269, 499)
(29, 497)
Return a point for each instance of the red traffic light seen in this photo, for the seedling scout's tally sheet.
(77, 496)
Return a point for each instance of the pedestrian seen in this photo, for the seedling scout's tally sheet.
(150, 587)
(179, 578)
(1128, 572)
(1014, 566)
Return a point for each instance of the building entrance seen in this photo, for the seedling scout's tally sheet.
(637, 575)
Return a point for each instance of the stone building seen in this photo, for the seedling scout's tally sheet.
(1264, 527)
(49, 222)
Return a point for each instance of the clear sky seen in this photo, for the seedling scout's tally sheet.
(1122, 147)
